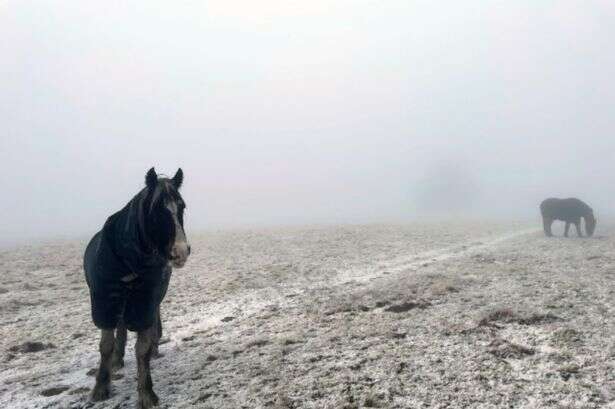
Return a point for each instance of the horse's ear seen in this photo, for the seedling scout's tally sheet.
(178, 178)
(151, 179)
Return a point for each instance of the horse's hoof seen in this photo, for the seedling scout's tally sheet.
(147, 400)
(100, 392)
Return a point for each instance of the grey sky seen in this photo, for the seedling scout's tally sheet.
(299, 112)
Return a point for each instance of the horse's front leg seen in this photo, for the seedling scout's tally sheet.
(102, 388)
(577, 226)
(567, 229)
(157, 335)
(147, 397)
(547, 222)
(119, 349)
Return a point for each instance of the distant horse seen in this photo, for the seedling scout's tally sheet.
(128, 267)
(570, 211)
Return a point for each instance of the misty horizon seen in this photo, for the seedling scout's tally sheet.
(292, 113)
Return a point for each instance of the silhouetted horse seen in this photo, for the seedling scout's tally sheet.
(128, 267)
(570, 211)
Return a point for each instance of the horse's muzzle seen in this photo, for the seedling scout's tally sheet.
(179, 254)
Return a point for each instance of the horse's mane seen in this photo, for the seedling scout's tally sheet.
(125, 232)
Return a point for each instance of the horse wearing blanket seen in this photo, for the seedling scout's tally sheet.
(127, 268)
(571, 211)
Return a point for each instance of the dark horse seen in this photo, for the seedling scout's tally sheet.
(570, 211)
(128, 267)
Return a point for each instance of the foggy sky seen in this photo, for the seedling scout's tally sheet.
(285, 112)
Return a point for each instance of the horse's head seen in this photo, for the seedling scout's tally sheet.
(163, 213)
(590, 224)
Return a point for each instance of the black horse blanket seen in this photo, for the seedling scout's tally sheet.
(569, 210)
(126, 280)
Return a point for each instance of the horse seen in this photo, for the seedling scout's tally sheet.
(570, 211)
(128, 267)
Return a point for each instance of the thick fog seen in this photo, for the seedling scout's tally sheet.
(293, 112)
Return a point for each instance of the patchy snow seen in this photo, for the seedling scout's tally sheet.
(421, 315)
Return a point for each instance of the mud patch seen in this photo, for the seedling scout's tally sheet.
(508, 316)
(406, 306)
(30, 347)
(56, 390)
(537, 319)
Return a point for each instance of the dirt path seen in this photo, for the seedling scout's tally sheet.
(475, 315)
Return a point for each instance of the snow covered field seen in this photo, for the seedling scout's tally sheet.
(462, 315)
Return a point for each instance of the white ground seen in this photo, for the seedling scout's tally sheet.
(492, 315)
